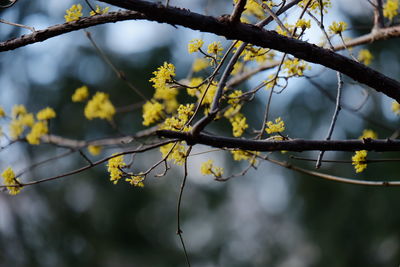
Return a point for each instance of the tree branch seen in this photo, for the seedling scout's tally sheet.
(289, 145)
(267, 39)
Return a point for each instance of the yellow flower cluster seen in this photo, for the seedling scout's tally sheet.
(2, 112)
(94, 150)
(80, 94)
(163, 77)
(22, 119)
(391, 9)
(358, 160)
(74, 13)
(177, 123)
(337, 27)
(303, 24)
(239, 155)
(253, 8)
(38, 130)
(315, 5)
(215, 48)
(208, 168)
(136, 180)
(368, 134)
(396, 107)
(46, 114)
(253, 53)
(99, 107)
(365, 56)
(99, 11)
(114, 167)
(9, 179)
(178, 153)
(200, 64)
(239, 124)
(277, 127)
(295, 67)
(195, 45)
(152, 112)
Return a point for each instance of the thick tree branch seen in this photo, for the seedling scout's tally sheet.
(267, 39)
(289, 145)
(42, 35)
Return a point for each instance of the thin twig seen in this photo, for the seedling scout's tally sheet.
(178, 208)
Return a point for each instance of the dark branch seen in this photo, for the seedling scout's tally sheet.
(289, 145)
(267, 39)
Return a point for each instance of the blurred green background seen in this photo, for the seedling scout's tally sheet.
(269, 217)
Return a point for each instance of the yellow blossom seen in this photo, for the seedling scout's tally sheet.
(295, 67)
(163, 75)
(194, 45)
(74, 13)
(94, 150)
(368, 134)
(303, 24)
(358, 160)
(2, 113)
(239, 155)
(277, 127)
(114, 167)
(18, 110)
(152, 112)
(208, 168)
(215, 48)
(99, 11)
(99, 107)
(239, 124)
(365, 56)
(200, 64)
(315, 5)
(136, 180)
(178, 153)
(396, 107)
(337, 27)
(38, 130)
(46, 114)
(27, 119)
(390, 9)
(253, 8)
(9, 179)
(80, 94)
(16, 128)
(194, 82)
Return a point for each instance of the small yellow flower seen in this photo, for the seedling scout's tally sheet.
(18, 110)
(337, 27)
(99, 107)
(194, 45)
(114, 167)
(46, 114)
(390, 9)
(396, 107)
(304, 24)
(178, 153)
(74, 13)
(80, 94)
(215, 48)
(27, 119)
(152, 111)
(136, 180)
(368, 134)
(208, 168)
(365, 56)
(94, 150)
(38, 130)
(239, 124)
(2, 113)
(358, 160)
(9, 179)
(99, 11)
(295, 67)
(200, 64)
(16, 128)
(277, 127)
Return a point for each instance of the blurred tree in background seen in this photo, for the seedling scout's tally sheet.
(271, 216)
